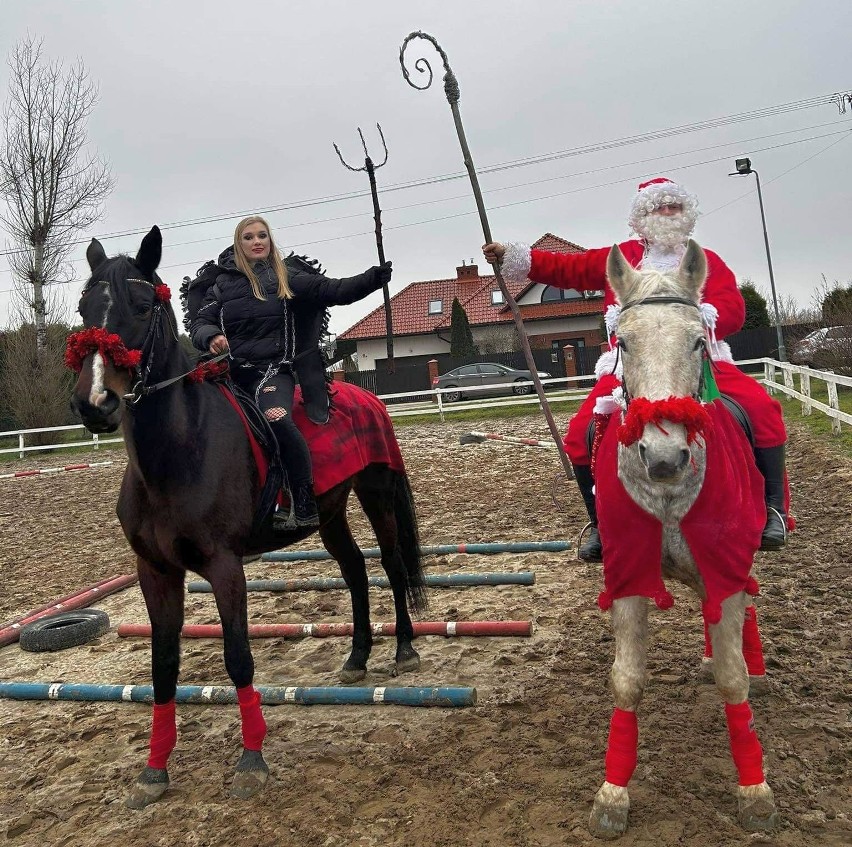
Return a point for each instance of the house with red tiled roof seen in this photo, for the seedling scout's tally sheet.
(422, 314)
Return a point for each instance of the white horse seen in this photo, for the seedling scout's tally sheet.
(664, 514)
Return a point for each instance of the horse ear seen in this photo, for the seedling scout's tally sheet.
(693, 268)
(150, 252)
(95, 255)
(619, 272)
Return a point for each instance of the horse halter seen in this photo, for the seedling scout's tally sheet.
(681, 301)
(145, 355)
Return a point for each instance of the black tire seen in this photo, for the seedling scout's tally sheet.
(452, 396)
(521, 390)
(67, 629)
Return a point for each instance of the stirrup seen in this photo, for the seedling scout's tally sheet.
(579, 544)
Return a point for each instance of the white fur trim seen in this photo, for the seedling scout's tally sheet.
(517, 261)
(610, 403)
(606, 362)
(720, 351)
(613, 312)
(709, 315)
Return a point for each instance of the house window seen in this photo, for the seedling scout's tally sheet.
(553, 295)
(497, 298)
(436, 307)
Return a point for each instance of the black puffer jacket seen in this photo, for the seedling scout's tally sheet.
(273, 331)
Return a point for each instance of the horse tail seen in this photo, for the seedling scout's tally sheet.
(408, 535)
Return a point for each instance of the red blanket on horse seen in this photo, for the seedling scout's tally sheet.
(723, 527)
(359, 433)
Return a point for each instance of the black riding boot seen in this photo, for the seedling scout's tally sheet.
(770, 462)
(592, 550)
(297, 464)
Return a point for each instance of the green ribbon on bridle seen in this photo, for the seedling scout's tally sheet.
(709, 389)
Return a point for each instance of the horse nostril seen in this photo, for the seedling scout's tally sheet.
(642, 452)
(684, 458)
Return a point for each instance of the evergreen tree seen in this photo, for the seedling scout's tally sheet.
(461, 338)
(756, 313)
(837, 305)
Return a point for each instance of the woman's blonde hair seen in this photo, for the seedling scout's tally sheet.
(275, 260)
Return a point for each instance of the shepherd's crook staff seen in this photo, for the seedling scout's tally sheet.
(370, 168)
(451, 89)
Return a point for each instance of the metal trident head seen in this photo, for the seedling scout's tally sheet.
(368, 162)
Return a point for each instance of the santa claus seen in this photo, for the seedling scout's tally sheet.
(663, 216)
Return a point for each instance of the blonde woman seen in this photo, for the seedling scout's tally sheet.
(268, 313)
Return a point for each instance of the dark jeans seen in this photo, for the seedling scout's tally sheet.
(274, 396)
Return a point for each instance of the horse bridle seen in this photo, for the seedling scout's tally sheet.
(681, 301)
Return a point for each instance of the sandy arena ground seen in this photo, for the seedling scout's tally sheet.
(520, 768)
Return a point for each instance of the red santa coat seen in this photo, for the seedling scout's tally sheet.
(587, 272)
(722, 528)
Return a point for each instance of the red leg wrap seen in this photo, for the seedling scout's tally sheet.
(708, 644)
(621, 749)
(254, 726)
(752, 647)
(163, 735)
(745, 746)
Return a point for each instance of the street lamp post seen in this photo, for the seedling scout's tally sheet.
(744, 168)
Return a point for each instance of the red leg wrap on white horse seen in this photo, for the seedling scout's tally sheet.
(621, 749)
(254, 726)
(163, 735)
(752, 646)
(745, 746)
(708, 644)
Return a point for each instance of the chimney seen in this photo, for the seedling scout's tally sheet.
(467, 272)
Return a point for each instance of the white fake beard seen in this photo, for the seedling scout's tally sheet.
(666, 230)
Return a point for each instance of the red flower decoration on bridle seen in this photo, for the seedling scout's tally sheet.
(207, 370)
(680, 410)
(162, 292)
(96, 338)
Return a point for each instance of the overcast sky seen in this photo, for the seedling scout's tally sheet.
(214, 108)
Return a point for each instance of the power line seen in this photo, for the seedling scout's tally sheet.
(654, 135)
(843, 134)
(363, 214)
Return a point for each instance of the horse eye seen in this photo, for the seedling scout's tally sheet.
(622, 344)
(699, 343)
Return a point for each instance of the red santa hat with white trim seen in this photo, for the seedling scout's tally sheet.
(661, 191)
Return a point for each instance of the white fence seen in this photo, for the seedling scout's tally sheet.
(433, 402)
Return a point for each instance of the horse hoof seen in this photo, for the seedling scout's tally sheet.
(407, 659)
(758, 685)
(607, 821)
(352, 674)
(150, 786)
(756, 810)
(251, 775)
(610, 810)
(705, 674)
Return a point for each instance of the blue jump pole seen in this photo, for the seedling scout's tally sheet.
(331, 583)
(271, 695)
(431, 550)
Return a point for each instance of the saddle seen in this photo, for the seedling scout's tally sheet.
(264, 447)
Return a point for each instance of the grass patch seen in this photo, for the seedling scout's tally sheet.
(561, 409)
(818, 422)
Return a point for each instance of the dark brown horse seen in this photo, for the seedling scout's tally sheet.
(189, 493)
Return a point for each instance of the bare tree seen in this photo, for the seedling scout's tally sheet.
(52, 186)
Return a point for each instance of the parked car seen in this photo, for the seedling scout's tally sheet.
(828, 346)
(505, 380)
